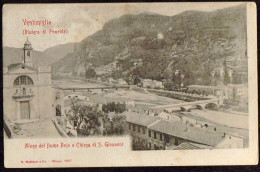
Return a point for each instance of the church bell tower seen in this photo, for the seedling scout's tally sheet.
(27, 58)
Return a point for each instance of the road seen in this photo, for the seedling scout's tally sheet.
(228, 119)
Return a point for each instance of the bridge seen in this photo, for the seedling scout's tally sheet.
(101, 85)
(91, 88)
(189, 97)
(202, 104)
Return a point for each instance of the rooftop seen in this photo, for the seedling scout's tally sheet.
(15, 66)
(194, 134)
(183, 146)
(140, 119)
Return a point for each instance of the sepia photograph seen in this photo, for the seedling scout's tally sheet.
(169, 76)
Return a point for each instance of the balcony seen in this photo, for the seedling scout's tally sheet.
(24, 94)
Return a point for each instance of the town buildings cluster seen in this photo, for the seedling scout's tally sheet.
(29, 94)
(157, 133)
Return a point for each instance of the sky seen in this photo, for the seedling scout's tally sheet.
(81, 20)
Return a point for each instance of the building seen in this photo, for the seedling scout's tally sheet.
(150, 132)
(64, 100)
(236, 92)
(228, 92)
(111, 80)
(157, 84)
(122, 82)
(75, 95)
(27, 89)
(147, 83)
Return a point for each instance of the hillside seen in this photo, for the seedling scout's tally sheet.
(149, 45)
(14, 55)
(192, 42)
(57, 52)
(47, 57)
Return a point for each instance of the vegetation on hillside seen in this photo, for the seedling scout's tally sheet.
(155, 46)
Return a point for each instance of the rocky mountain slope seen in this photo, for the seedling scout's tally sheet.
(150, 45)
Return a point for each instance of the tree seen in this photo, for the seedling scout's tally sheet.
(169, 85)
(90, 115)
(89, 120)
(136, 81)
(114, 107)
(90, 73)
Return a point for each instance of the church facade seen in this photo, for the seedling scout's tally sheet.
(27, 90)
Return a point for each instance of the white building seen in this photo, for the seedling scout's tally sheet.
(76, 96)
(157, 84)
(110, 80)
(122, 82)
(27, 89)
(147, 83)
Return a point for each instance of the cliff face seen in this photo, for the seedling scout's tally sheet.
(153, 46)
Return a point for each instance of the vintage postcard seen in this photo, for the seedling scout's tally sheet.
(130, 84)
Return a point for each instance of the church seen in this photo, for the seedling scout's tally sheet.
(27, 89)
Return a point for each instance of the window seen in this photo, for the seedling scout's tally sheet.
(166, 138)
(161, 137)
(138, 129)
(24, 91)
(133, 127)
(28, 53)
(175, 142)
(23, 80)
(154, 135)
(155, 147)
(149, 133)
(58, 110)
(129, 126)
(150, 145)
(143, 130)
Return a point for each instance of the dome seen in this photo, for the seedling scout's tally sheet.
(27, 42)
(27, 45)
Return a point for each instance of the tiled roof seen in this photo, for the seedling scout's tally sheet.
(140, 119)
(183, 146)
(194, 134)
